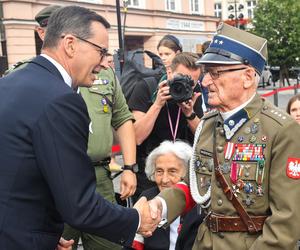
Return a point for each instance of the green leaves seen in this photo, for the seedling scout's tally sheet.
(279, 22)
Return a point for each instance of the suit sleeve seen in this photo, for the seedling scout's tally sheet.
(281, 228)
(60, 140)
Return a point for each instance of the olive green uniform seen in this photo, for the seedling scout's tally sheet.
(257, 168)
(107, 109)
(17, 66)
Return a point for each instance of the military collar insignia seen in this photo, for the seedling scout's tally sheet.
(235, 122)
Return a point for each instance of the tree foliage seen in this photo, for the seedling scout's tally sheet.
(279, 22)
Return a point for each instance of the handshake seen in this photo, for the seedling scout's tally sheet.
(150, 215)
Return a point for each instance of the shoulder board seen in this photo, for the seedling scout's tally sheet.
(18, 65)
(106, 73)
(210, 114)
(275, 113)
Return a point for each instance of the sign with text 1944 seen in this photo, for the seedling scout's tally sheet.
(178, 24)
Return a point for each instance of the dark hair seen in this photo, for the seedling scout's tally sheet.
(205, 45)
(170, 42)
(186, 59)
(71, 20)
(291, 101)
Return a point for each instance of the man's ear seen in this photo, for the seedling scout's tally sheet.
(249, 77)
(70, 44)
(41, 32)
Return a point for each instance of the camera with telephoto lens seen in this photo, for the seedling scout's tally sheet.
(181, 88)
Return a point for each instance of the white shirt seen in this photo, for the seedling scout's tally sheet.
(67, 78)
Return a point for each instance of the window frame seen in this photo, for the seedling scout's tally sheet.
(250, 9)
(141, 4)
(219, 10)
(200, 6)
(177, 6)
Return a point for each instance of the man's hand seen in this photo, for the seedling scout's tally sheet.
(163, 94)
(150, 217)
(155, 206)
(128, 184)
(188, 106)
(64, 244)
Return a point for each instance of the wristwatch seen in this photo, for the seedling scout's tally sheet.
(133, 167)
(191, 117)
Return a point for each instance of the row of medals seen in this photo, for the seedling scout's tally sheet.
(242, 154)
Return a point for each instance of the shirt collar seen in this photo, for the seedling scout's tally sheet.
(226, 115)
(67, 78)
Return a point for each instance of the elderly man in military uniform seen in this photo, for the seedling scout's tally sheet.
(242, 173)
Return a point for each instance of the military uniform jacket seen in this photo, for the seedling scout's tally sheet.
(107, 109)
(258, 150)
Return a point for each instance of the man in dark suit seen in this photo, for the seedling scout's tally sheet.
(43, 143)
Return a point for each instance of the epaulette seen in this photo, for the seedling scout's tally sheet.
(209, 114)
(275, 113)
(104, 73)
(17, 65)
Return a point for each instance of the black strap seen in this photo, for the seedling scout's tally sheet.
(227, 54)
(228, 191)
(102, 163)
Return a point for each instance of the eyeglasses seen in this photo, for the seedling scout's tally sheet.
(215, 74)
(102, 51)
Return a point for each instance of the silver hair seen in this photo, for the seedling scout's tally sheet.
(180, 149)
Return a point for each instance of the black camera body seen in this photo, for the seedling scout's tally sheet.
(181, 88)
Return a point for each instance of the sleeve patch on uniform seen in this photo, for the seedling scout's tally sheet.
(293, 168)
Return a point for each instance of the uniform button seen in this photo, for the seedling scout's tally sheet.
(221, 235)
(220, 149)
(220, 202)
(222, 132)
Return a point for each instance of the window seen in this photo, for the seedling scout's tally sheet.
(173, 5)
(135, 3)
(197, 6)
(218, 10)
(250, 8)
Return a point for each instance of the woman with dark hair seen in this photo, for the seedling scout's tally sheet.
(293, 107)
(167, 49)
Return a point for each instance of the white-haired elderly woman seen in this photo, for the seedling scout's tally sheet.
(166, 165)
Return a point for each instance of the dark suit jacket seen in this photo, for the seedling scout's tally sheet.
(46, 176)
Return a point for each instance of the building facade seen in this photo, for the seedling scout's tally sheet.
(146, 22)
(235, 12)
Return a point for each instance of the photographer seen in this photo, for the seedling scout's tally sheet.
(159, 117)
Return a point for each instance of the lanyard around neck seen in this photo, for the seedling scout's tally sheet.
(173, 132)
